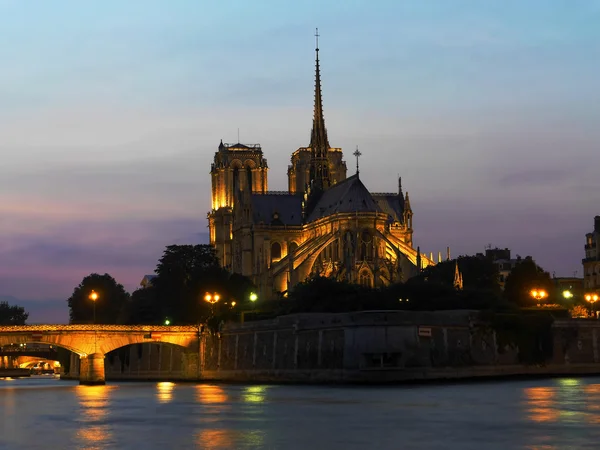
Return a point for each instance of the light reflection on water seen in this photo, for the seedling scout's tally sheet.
(164, 393)
(95, 431)
(561, 413)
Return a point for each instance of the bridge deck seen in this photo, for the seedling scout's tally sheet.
(99, 327)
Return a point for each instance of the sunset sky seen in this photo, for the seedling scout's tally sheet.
(111, 111)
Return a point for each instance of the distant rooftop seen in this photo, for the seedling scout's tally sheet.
(240, 146)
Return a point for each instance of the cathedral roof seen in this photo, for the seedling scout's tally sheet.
(391, 204)
(277, 209)
(348, 196)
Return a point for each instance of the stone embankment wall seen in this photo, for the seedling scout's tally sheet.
(371, 347)
(392, 346)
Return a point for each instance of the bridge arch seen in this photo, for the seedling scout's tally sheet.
(92, 342)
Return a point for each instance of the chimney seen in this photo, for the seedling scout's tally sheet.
(597, 224)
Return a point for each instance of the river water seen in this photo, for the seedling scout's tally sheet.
(46, 413)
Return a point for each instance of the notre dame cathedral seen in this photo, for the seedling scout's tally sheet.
(325, 223)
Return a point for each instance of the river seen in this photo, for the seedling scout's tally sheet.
(46, 413)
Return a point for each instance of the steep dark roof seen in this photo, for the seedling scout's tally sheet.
(287, 207)
(346, 197)
(392, 205)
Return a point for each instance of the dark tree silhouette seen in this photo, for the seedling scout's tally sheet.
(478, 273)
(184, 274)
(112, 298)
(525, 277)
(12, 315)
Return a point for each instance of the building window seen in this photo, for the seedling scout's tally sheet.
(293, 247)
(249, 178)
(365, 279)
(275, 251)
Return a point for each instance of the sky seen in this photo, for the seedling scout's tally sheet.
(110, 114)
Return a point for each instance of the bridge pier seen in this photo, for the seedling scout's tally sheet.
(91, 370)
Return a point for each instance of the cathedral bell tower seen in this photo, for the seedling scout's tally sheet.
(236, 168)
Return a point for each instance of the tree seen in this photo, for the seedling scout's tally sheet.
(12, 315)
(112, 298)
(478, 273)
(324, 294)
(143, 308)
(525, 277)
(184, 274)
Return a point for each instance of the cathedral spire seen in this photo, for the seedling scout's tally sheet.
(318, 139)
(319, 144)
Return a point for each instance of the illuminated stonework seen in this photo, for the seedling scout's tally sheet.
(325, 223)
(92, 342)
(236, 168)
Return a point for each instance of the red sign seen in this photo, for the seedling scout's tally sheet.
(425, 331)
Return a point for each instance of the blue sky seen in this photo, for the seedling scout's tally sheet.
(110, 113)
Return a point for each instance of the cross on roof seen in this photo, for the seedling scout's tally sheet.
(358, 154)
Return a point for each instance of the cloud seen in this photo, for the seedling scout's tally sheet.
(54, 262)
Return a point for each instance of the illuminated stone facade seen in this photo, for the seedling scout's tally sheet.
(325, 223)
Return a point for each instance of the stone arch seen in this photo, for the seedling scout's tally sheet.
(154, 342)
(275, 251)
(293, 246)
(403, 249)
(365, 247)
(236, 164)
(249, 163)
(45, 340)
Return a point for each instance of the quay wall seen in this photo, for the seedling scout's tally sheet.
(365, 347)
(395, 346)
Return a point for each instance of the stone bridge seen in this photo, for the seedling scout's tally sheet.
(92, 342)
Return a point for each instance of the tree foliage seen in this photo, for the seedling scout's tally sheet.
(321, 294)
(12, 315)
(478, 273)
(112, 298)
(184, 274)
(525, 277)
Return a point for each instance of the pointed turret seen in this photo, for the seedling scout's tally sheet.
(319, 143)
(407, 213)
(458, 281)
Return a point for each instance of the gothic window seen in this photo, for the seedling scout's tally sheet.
(236, 179)
(275, 251)
(366, 247)
(365, 279)
(293, 247)
(249, 177)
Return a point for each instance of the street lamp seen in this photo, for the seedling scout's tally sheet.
(93, 297)
(253, 297)
(591, 298)
(567, 294)
(538, 294)
(212, 299)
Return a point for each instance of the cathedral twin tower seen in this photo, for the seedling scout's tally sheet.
(325, 224)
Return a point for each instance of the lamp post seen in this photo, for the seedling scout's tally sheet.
(253, 298)
(93, 297)
(591, 298)
(538, 294)
(212, 299)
